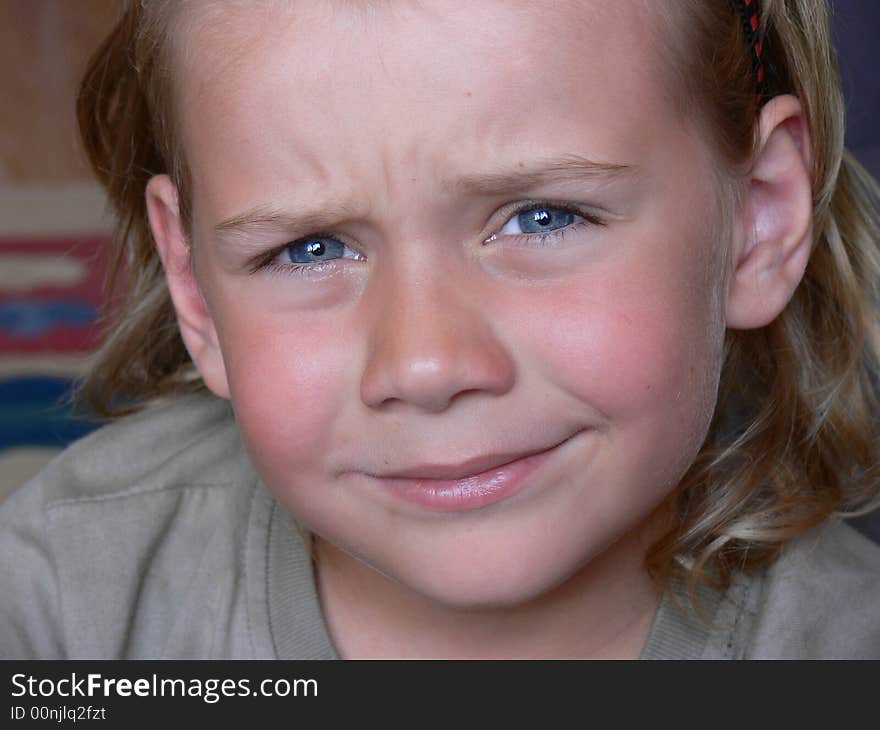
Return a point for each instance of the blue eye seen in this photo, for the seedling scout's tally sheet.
(541, 220)
(538, 219)
(314, 250)
(312, 254)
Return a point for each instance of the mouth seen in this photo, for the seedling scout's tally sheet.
(471, 484)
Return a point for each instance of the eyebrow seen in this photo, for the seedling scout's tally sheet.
(567, 168)
(500, 182)
(264, 218)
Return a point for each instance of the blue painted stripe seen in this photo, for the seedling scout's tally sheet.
(37, 412)
(33, 318)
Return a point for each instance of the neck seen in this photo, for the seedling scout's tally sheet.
(604, 611)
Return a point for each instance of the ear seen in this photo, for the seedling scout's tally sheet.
(773, 242)
(193, 317)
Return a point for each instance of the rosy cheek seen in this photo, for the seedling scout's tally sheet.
(288, 383)
(630, 347)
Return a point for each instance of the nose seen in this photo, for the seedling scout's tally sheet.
(430, 343)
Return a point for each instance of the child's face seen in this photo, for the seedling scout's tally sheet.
(415, 146)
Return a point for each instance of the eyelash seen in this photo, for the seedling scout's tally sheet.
(268, 263)
(543, 239)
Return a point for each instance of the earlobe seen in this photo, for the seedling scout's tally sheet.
(193, 317)
(775, 231)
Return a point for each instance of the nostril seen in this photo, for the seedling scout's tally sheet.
(433, 384)
(431, 351)
(424, 383)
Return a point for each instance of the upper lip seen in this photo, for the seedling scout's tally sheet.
(468, 468)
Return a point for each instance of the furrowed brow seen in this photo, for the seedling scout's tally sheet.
(569, 168)
(262, 219)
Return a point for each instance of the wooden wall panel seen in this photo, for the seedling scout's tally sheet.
(44, 46)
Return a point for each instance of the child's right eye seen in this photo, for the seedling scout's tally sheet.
(310, 254)
(315, 250)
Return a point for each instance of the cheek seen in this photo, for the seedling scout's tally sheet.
(640, 344)
(287, 378)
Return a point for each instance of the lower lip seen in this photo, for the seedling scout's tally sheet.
(469, 493)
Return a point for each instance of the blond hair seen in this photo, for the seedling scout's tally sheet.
(794, 437)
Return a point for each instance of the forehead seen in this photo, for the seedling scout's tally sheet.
(219, 39)
(244, 21)
(479, 75)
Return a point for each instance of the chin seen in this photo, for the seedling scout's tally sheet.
(486, 585)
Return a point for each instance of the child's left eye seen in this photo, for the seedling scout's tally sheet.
(544, 222)
(541, 219)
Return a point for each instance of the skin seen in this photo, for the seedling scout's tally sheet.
(444, 335)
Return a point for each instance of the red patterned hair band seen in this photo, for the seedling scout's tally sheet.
(749, 13)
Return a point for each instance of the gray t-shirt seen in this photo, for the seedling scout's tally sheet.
(154, 538)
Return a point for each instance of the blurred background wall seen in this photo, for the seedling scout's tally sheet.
(52, 226)
(52, 218)
(44, 45)
(856, 35)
